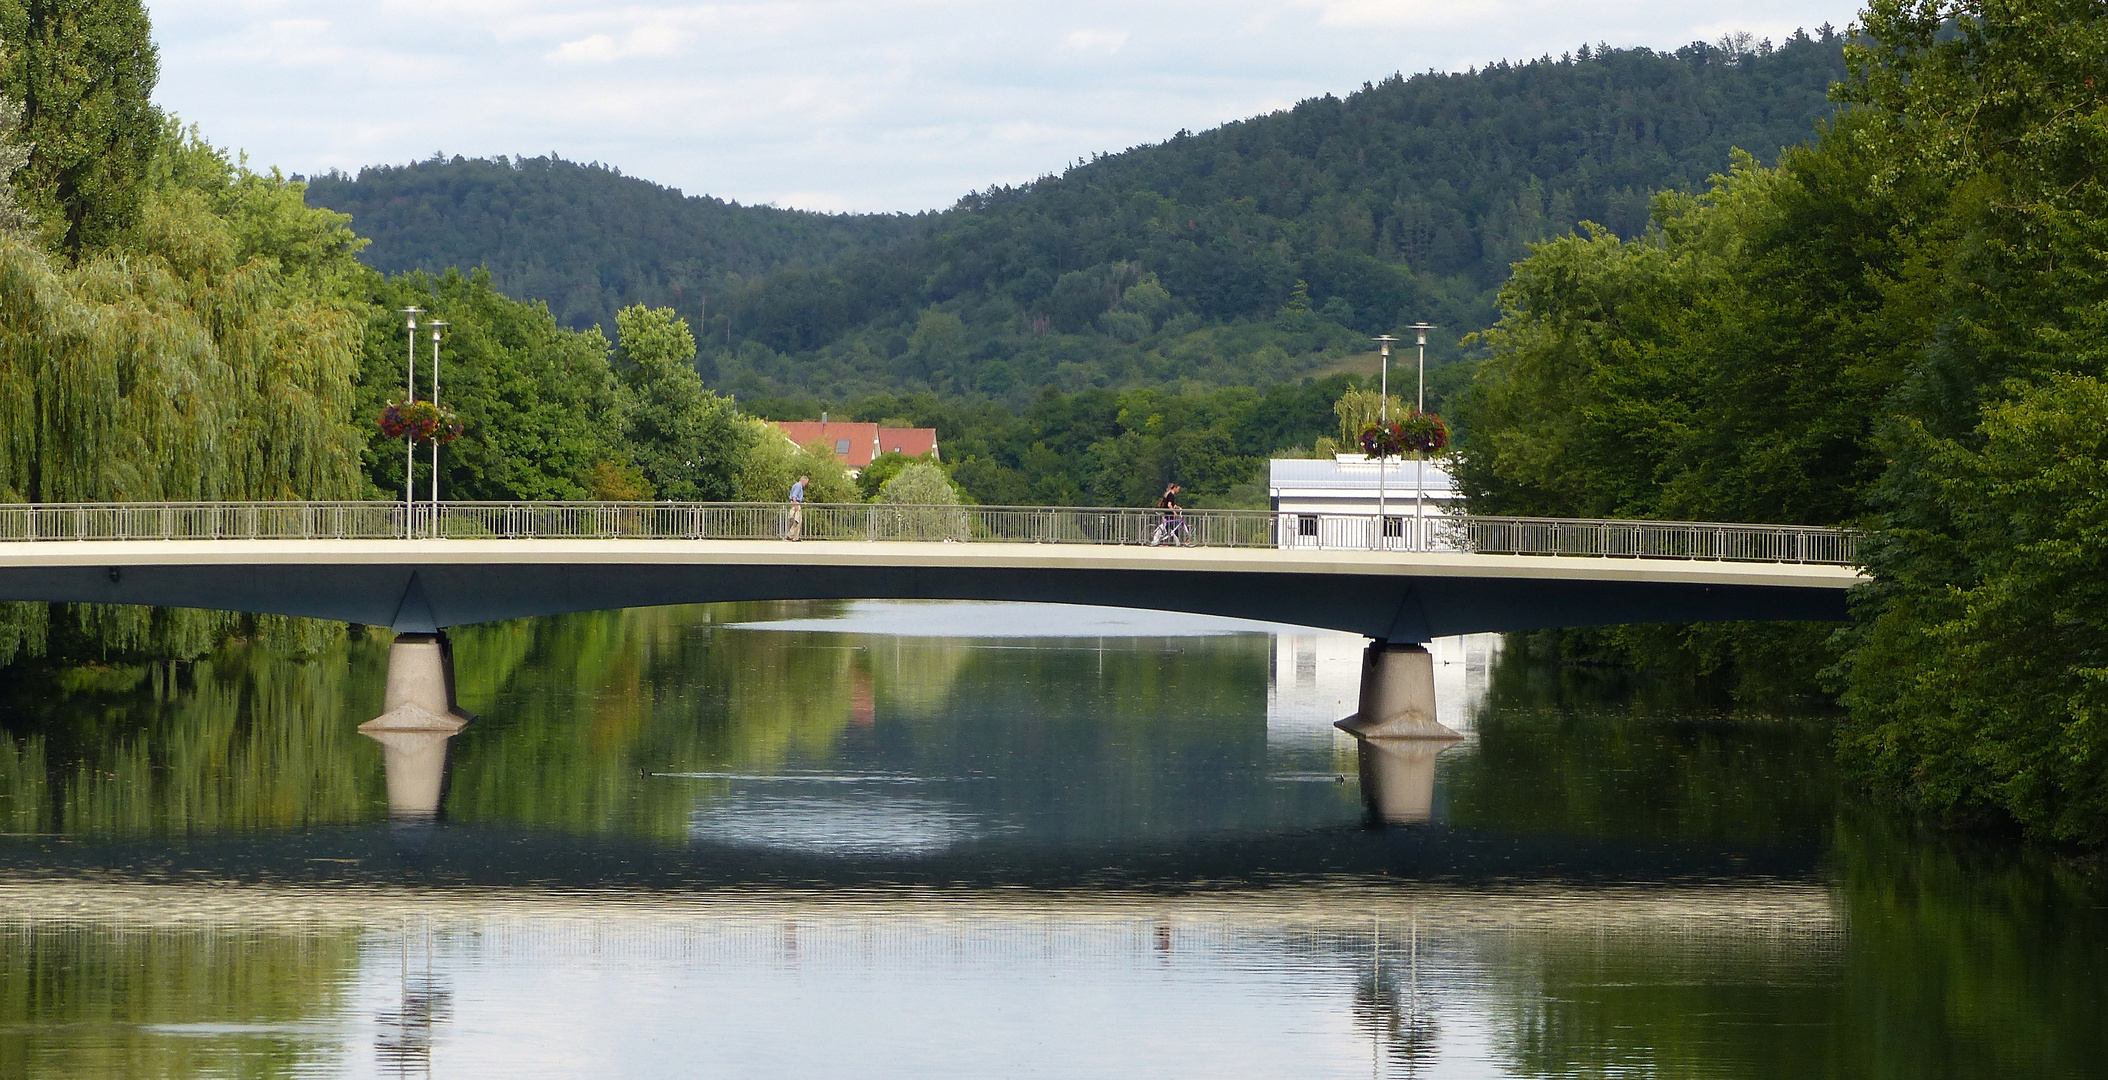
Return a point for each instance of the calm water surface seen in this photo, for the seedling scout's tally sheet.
(945, 840)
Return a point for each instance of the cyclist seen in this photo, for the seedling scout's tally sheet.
(1171, 520)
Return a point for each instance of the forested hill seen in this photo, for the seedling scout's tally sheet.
(584, 238)
(1173, 262)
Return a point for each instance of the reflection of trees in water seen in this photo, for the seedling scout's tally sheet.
(84, 1000)
(1598, 762)
(576, 706)
(1707, 999)
(914, 678)
(245, 739)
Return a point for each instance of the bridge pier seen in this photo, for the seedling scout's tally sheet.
(1397, 695)
(1399, 736)
(418, 720)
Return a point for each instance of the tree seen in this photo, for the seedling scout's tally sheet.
(538, 402)
(937, 349)
(688, 442)
(920, 483)
(84, 73)
(1974, 672)
(1991, 699)
(13, 155)
(773, 464)
(1357, 409)
(923, 501)
(213, 356)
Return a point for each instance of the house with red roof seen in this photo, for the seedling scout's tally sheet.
(857, 444)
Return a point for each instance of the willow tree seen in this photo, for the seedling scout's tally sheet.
(210, 356)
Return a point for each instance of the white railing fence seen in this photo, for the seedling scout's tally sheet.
(947, 524)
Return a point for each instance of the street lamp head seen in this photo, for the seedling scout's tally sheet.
(1421, 330)
(435, 324)
(412, 313)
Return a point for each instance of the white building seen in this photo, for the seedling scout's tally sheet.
(1332, 502)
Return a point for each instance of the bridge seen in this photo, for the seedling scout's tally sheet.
(421, 569)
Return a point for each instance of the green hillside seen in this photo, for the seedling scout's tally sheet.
(1166, 264)
(585, 239)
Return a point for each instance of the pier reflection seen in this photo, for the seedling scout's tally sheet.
(414, 752)
(1398, 778)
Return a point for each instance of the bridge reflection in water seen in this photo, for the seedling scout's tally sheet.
(1311, 679)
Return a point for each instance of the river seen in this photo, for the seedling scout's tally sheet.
(885, 839)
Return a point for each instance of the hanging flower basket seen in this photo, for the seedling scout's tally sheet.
(1418, 433)
(420, 421)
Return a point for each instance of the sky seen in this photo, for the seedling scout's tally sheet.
(839, 105)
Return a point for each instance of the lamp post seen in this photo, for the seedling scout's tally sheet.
(410, 444)
(435, 324)
(1420, 330)
(1383, 419)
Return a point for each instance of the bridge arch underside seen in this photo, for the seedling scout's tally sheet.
(1397, 606)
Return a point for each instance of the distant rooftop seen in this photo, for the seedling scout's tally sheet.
(857, 444)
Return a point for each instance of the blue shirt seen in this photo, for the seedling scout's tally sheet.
(798, 492)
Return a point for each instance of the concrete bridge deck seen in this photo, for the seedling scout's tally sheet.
(428, 585)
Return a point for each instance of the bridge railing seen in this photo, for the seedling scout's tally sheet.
(1435, 531)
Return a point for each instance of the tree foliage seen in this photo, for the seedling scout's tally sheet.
(687, 441)
(214, 356)
(585, 239)
(919, 483)
(14, 220)
(83, 72)
(1898, 327)
(538, 402)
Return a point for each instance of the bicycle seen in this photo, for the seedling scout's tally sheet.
(1172, 529)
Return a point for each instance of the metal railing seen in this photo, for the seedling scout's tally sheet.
(944, 524)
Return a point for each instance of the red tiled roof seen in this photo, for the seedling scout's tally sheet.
(856, 444)
(912, 441)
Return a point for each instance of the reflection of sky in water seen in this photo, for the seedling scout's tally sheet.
(1322, 981)
(862, 823)
(1314, 679)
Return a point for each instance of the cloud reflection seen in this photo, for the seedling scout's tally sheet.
(853, 825)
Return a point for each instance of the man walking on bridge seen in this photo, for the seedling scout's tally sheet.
(794, 528)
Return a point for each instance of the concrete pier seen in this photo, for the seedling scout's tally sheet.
(419, 720)
(1397, 695)
(1399, 736)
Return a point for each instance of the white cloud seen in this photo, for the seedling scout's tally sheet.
(836, 104)
(598, 49)
(1107, 42)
